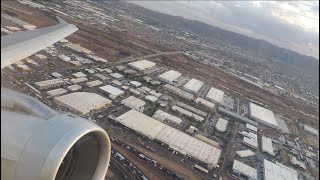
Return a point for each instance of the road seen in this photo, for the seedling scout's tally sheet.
(120, 169)
(229, 155)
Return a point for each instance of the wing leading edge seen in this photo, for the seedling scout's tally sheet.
(15, 47)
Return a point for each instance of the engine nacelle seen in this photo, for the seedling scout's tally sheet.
(60, 147)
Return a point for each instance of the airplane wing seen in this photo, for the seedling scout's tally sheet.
(36, 141)
(17, 46)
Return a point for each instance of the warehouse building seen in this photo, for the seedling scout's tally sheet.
(74, 87)
(163, 116)
(134, 91)
(244, 171)
(245, 153)
(155, 93)
(193, 86)
(116, 75)
(250, 139)
(151, 98)
(78, 48)
(251, 127)
(215, 95)
(207, 140)
(116, 82)
(192, 109)
(79, 74)
(82, 102)
(135, 83)
(187, 113)
(278, 171)
(142, 65)
(205, 103)
(262, 115)
(57, 92)
(93, 83)
(78, 80)
(56, 75)
(169, 76)
(267, 145)
(49, 83)
(175, 139)
(112, 91)
(134, 103)
(221, 125)
(310, 130)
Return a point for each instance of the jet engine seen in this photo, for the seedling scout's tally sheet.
(39, 143)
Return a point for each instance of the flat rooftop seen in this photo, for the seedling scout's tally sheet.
(245, 169)
(112, 90)
(222, 124)
(175, 139)
(142, 65)
(267, 145)
(170, 76)
(263, 115)
(245, 153)
(215, 95)
(278, 171)
(193, 85)
(82, 102)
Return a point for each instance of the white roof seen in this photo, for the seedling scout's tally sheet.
(112, 90)
(245, 169)
(135, 83)
(74, 87)
(82, 102)
(142, 65)
(267, 145)
(151, 98)
(133, 102)
(262, 114)
(170, 75)
(174, 138)
(79, 74)
(78, 80)
(49, 82)
(193, 85)
(204, 102)
(245, 153)
(145, 88)
(222, 124)
(55, 74)
(56, 92)
(277, 171)
(251, 142)
(215, 95)
(251, 127)
(161, 116)
(93, 83)
(187, 113)
(116, 75)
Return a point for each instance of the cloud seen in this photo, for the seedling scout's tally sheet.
(293, 24)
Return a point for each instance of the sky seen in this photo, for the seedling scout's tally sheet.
(290, 24)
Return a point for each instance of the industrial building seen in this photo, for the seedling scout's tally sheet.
(214, 95)
(40, 56)
(78, 48)
(262, 115)
(221, 125)
(56, 75)
(187, 113)
(205, 103)
(250, 139)
(116, 82)
(207, 140)
(93, 83)
(82, 102)
(236, 116)
(79, 74)
(266, 144)
(78, 80)
(252, 128)
(192, 109)
(178, 91)
(57, 92)
(74, 87)
(169, 76)
(49, 83)
(142, 65)
(243, 170)
(175, 139)
(155, 93)
(134, 91)
(116, 75)
(112, 91)
(146, 89)
(151, 98)
(278, 171)
(163, 116)
(135, 83)
(134, 103)
(193, 86)
(245, 153)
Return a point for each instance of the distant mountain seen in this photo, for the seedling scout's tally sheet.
(259, 47)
